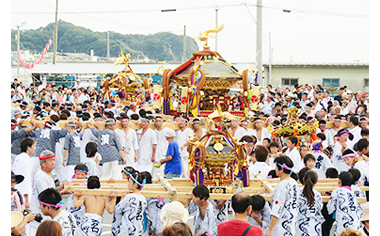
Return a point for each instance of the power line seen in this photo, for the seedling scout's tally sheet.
(342, 14)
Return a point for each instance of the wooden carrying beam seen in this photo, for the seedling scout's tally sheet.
(205, 123)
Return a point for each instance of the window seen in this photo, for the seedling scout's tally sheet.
(289, 81)
(366, 82)
(330, 82)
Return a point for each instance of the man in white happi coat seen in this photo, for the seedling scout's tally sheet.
(41, 181)
(162, 145)
(182, 139)
(235, 130)
(22, 167)
(128, 139)
(148, 145)
(354, 129)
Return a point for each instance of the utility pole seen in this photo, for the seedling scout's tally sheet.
(18, 46)
(55, 31)
(270, 61)
(216, 26)
(184, 44)
(108, 45)
(259, 45)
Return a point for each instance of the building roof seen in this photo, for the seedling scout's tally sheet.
(324, 64)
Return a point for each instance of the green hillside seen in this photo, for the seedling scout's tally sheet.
(71, 38)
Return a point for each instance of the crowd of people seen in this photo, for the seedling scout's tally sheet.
(46, 155)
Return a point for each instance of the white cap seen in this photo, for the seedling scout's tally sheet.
(170, 133)
(174, 212)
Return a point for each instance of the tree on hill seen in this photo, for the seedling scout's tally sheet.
(161, 46)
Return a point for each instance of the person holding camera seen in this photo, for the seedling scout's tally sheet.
(17, 205)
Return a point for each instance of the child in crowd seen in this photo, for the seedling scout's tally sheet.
(361, 162)
(285, 198)
(127, 171)
(344, 204)
(81, 172)
(272, 174)
(309, 205)
(204, 219)
(357, 191)
(153, 210)
(250, 145)
(260, 214)
(331, 173)
(339, 148)
(322, 161)
(274, 152)
(293, 153)
(50, 204)
(309, 160)
(93, 159)
(128, 218)
(92, 220)
(301, 174)
(260, 166)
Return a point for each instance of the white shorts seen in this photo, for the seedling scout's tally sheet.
(112, 169)
(91, 225)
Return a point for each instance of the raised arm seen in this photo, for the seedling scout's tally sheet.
(110, 207)
(78, 198)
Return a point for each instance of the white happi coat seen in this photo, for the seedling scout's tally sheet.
(41, 181)
(67, 221)
(146, 143)
(264, 134)
(322, 163)
(162, 144)
(337, 160)
(128, 217)
(310, 218)
(130, 143)
(284, 207)
(208, 223)
(295, 156)
(182, 137)
(347, 211)
(264, 216)
(153, 212)
(221, 215)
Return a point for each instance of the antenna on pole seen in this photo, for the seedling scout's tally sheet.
(55, 31)
(184, 44)
(108, 45)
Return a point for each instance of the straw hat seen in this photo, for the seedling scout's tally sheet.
(172, 213)
(16, 218)
(19, 178)
(365, 215)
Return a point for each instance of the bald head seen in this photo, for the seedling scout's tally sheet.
(240, 202)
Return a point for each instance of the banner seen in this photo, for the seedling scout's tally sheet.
(30, 66)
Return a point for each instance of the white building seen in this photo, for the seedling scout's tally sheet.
(329, 75)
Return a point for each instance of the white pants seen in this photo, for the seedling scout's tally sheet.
(69, 171)
(160, 170)
(185, 165)
(112, 169)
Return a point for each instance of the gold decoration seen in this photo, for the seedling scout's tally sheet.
(204, 36)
